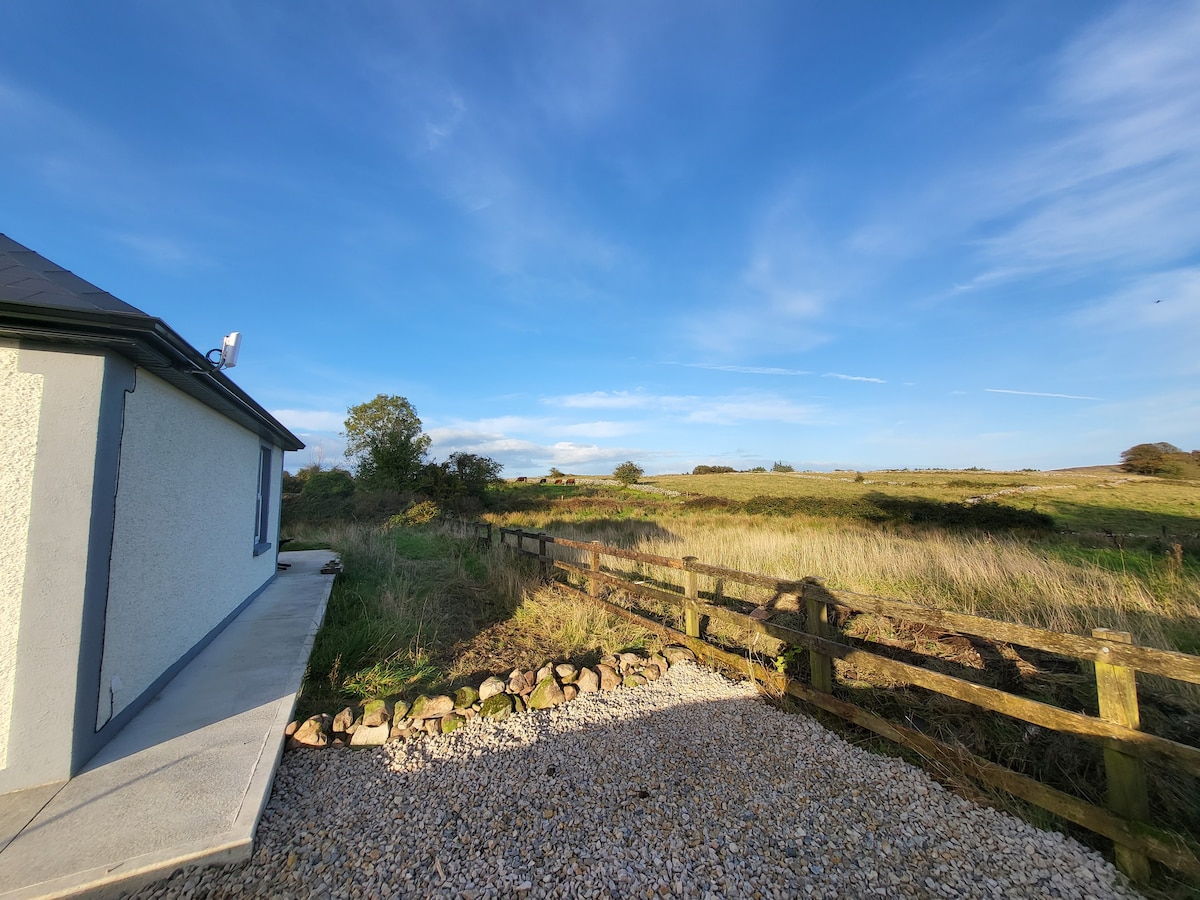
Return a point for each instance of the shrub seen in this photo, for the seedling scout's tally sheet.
(628, 472)
(418, 514)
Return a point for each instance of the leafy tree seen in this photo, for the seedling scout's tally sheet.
(384, 438)
(555, 473)
(713, 470)
(628, 472)
(1145, 459)
(327, 495)
(477, 473)
(782, 467)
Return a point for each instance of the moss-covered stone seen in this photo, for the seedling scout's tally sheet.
(375, 713)
(431, 707)
(465, 697)
(498, 706)
(547, 693)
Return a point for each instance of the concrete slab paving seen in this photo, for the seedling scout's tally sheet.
(186, 781)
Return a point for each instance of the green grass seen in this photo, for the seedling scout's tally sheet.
(405, 596)
(419, 609)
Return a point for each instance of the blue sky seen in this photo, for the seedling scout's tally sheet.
(851, 235)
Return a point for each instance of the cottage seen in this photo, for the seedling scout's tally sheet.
(139, 512)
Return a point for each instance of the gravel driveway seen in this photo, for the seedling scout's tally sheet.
(691, 786)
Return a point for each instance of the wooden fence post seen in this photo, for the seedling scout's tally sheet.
(816, 623)
(520, 540)
(543, 559)
(594, 583)
(691, 590)
(1116, 689)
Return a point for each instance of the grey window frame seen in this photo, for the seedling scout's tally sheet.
(262, 501)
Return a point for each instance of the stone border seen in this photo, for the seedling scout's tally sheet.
(377, 722)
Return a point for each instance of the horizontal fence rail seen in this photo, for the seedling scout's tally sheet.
(1116, 659)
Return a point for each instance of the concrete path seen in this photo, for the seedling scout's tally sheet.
(185, 782)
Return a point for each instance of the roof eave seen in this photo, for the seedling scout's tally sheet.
(153, 344)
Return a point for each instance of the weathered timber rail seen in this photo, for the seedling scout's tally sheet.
(1116, 660)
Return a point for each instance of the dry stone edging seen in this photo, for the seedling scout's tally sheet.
(380, 721)
(692, 786)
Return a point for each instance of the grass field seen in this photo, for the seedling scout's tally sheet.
(420, 610)
(1110, 549)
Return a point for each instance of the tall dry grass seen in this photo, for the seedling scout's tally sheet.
(1004, 577)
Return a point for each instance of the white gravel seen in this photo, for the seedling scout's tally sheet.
(691, 786)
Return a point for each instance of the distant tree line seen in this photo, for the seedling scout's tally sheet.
(1160, 459)
(725, 470)
(392, 471)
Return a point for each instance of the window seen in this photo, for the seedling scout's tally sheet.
(262, 503)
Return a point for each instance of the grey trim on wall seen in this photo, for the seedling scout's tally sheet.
(121, 719)
(120, 376)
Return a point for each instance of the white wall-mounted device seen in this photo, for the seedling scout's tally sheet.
(230, 347)
(228, 351)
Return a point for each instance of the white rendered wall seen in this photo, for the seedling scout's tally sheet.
(20, 408)
(50, 636)
(183, 538)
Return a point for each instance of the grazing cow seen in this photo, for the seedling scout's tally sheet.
(522, 478)
(570, 481)
(543, 481)
(558, 481)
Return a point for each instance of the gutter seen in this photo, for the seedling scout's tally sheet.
(152, 344)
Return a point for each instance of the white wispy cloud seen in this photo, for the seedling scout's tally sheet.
(1115, 179)
(745, 370)
(1038, 394)
(608, 400)
(842, 377)
(766, 409)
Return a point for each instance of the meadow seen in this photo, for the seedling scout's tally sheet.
(1070, 551)
(422, 608)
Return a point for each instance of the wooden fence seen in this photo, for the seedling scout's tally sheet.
(1115, 657)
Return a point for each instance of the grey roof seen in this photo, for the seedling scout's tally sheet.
(43, 302)
(28, 277)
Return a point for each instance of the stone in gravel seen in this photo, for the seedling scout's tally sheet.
(503, 812)
(519, 704)
(566, 672)
(314, 732)
(651, 672)
(548, 693)
(516, 682)
(659, 660)
(675, 654)
(343, 720)
(530, 681)
(401, 732)
(375, 713)
(544, 672)
(588, 681)
(630, 662)
(465, 697)
(611, 661)
(399, 708)
(491, 687)
(431, 707)
(371, 735)
(570, 692)
(634, 680)
(609, 678)
(497, 706)
(291, 729)
(451, 722)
